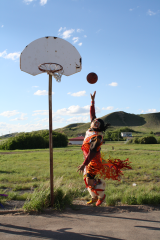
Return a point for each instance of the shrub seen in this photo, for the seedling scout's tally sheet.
(158, 140)
(136, 140)
(107, 136)
(24, 141)
(34, 140)
(59, 139)
(113, 136)
(126, 129)
(144, 140)
(148, 140)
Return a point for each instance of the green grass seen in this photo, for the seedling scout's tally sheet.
(18, 168)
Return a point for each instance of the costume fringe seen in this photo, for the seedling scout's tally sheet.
(102, 168)
(112, 168)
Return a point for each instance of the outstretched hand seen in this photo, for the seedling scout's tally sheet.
(93, 96)
(81, 168)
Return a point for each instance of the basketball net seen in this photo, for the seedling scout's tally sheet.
(54, 69)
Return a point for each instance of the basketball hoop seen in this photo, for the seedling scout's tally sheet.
(54, 69)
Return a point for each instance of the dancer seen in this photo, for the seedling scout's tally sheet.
(94, 167)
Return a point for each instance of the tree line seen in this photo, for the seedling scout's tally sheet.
(35, 140)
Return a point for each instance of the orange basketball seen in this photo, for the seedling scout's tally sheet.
(92, 78)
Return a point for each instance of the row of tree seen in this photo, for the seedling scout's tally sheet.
(144, 140)
(116, 135)
(34, 140)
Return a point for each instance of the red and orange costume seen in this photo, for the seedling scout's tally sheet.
(95, 165)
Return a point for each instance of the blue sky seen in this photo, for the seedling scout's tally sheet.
(117, 39)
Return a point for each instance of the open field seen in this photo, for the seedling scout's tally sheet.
(19, 167)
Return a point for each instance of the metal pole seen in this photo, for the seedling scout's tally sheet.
(50, 139)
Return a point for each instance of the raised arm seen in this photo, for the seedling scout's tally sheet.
(92, 108)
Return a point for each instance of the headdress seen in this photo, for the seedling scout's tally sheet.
(99, 125)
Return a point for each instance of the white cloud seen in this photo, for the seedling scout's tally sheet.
(40, 112)
(5, 127)
(78, 94)
(39, 92)
(75, 39)
(73, 110)
(61, 29)
(3, 54)
(67, 34)
(108, 108)
(34, 86)
(43, 2)
(2, 124)
(21, 118)
(127, 107)
(77, 119)
(2, 26)
(58, 119)
(12, 56)
(85, 36)
(80, 30)
(64, 33)
(54, 119)
(98, 30)
(44, 120)
(43, 92)
(151, 13)
(113, 84)
(70, 111)
(9, 113)
(151, 111)
(131, 9)
(36, 119)
(28, 1)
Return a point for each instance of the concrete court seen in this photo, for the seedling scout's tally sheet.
(87, 223)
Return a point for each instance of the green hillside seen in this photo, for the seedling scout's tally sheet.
(141, 123)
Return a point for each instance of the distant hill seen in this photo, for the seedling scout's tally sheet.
(144, 123)
(124, 119)
(141, 122)
(9, 135)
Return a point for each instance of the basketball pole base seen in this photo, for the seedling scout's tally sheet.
(50, 139)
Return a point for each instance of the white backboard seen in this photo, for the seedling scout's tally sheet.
(50, 50)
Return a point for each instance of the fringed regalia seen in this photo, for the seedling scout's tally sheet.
(100, 167)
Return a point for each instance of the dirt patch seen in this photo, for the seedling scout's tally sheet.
(120, 208)
(80, 205)
(12, 205)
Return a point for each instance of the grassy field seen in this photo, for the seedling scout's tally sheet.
(21, 172)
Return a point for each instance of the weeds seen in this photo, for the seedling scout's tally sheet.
(20, 168)
(40, 199)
